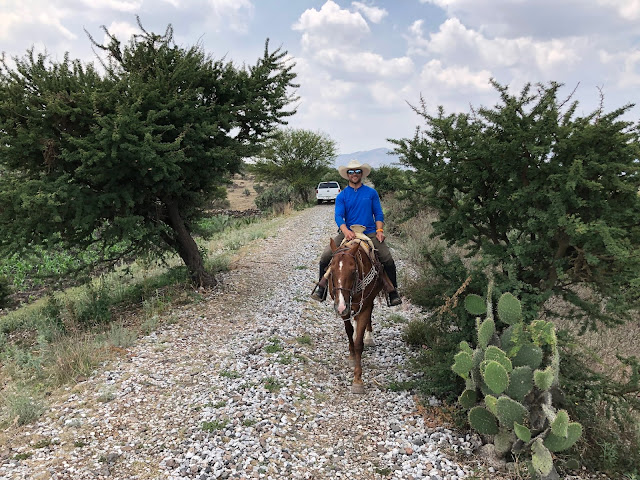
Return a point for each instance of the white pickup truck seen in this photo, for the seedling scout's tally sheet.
(327, 192)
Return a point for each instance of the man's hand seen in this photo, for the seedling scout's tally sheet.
(380, 236)
(348, 234)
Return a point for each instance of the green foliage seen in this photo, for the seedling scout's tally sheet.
(279, 193)
(468, 398)
(550, 196)
(521, 383)
(541, 459)
(520, 398)
(388, 179)
(557, 443)
(496, 377)
(486, 329)
(509, 412)
(462, 364)
(522, 432)
(528, 355)
(299, 158)
(133, 155)
(483, 421)
(560, 424)
(5, 291)
(607, 407)
(474, 304)
(543, 379)
(509, 309)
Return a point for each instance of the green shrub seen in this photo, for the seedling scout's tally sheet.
(609, 408)
(515, 405)
(5, 291)
(279, 193)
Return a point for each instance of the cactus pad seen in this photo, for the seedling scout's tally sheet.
(474, 304)
(544, 378)
(521, 383)
(494, 353)
(541, 458)
(509, 309)
(503, 441)
(485, 331)
(560, 424)
(483, 421)
(464, 347)
(509, 411)
(529, 354)
(557, 444)
(490, 402)
(496, 377)
(522, 432)
(462, 364)
(468, 398)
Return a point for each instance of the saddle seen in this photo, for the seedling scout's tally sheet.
(367, 244)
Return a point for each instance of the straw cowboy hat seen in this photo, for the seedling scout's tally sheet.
(352, 165)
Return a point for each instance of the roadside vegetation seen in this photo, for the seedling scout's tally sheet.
(543, 204)
(57, 336)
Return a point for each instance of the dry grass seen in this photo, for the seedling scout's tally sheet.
(236, 193)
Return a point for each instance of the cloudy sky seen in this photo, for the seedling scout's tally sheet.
(362, 63)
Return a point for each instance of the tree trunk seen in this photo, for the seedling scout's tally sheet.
(187, 248)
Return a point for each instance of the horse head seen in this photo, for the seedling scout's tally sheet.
(344, 276)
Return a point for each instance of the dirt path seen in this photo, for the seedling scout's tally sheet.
(251, 382)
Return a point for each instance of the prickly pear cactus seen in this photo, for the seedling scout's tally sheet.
(509, 378)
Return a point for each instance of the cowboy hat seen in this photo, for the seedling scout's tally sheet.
(352, 165)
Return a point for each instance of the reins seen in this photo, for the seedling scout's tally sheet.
(360, 285)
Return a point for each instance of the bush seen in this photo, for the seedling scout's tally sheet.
(5, 291)
(609, 408)
(279, 193)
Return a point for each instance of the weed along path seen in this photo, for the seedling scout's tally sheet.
(250, 382)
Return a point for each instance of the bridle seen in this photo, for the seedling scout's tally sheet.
(358, 284)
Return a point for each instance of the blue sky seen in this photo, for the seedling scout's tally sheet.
(361, 63)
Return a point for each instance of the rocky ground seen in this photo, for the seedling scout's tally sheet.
(251, 382)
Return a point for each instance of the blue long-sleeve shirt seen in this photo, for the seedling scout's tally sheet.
(359, 207)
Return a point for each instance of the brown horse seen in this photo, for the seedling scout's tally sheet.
(354, 282)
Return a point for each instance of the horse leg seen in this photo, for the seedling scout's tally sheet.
(362, 319)
(368, 335)
(348, 327)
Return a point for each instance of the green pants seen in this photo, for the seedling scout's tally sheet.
(384, 254)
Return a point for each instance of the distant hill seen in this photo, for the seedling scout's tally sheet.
(376, 158)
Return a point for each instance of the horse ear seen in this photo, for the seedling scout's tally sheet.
(354, 248)
(332, 244)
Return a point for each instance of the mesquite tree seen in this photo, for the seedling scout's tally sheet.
(546, 198)
(129, 157)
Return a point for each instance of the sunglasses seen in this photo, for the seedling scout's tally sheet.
(351, 172)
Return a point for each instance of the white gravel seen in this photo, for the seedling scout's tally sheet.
(250, 383)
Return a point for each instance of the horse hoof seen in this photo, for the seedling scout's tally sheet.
(357, 388)
(368, 339)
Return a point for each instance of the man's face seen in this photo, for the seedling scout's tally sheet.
(355, 175)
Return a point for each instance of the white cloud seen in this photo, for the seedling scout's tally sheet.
(232, 14)
(469, 47)
(131, 6)
(374, 14)
(330, 26)
(455, 78)
(122, 31)
(365, 63)
(34, 14)
(627, 9)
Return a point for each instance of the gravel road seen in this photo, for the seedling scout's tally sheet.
(251, 382)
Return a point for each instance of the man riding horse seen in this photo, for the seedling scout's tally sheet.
(359, 204)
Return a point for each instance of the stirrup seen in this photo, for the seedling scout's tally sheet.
(319, 293)
(393, 299)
